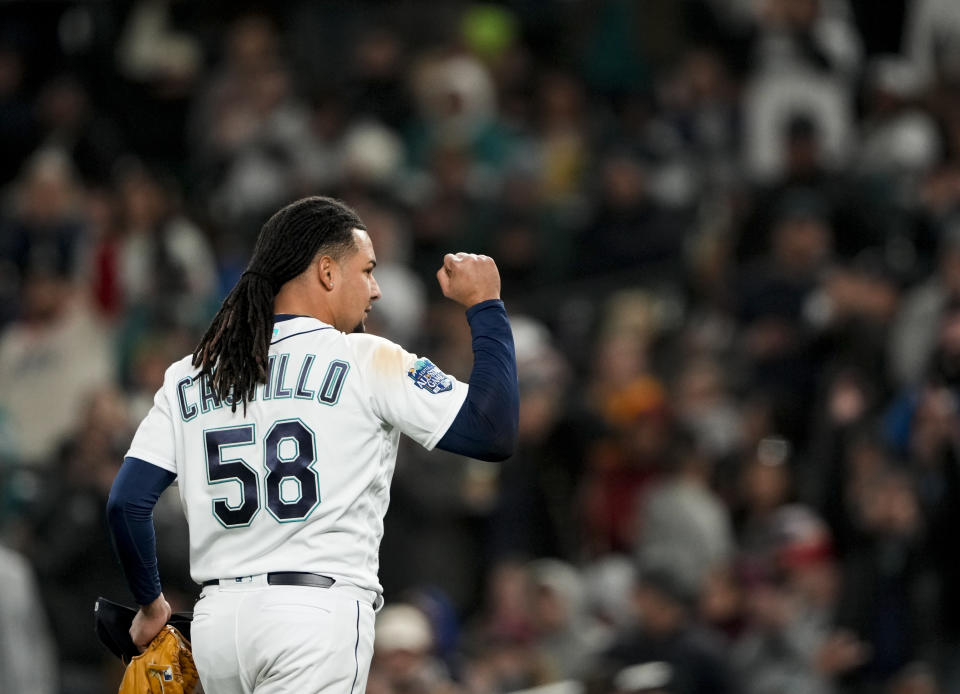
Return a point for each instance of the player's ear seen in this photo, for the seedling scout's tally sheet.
(326, 272)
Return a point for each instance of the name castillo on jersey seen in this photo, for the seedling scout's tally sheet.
(288, 376)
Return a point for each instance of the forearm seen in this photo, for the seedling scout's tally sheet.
(486, 425)
(135, 491)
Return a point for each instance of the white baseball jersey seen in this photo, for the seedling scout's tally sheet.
(301, 480)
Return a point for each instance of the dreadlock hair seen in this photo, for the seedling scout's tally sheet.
(232, 354)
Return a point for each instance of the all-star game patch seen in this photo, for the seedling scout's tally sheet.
(428, 377)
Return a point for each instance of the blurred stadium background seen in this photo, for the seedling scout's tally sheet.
(729, 233)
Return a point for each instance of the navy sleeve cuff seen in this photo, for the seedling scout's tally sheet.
(489, 303)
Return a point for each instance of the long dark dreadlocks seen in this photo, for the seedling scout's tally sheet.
(233, 351)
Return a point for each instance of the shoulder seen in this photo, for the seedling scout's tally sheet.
(376, 351)
(382, 363)
(366, 341)
(180, 369)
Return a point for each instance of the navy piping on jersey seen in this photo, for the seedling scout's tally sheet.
(315, 330)
(280, 317)
(356, 661)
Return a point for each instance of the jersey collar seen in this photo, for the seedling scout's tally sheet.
(287, 325)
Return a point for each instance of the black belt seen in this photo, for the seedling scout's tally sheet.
(286, 578)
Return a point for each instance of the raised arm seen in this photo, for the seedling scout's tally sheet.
(486, 425)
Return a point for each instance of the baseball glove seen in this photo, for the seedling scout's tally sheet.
(166, 667)
(112, 622)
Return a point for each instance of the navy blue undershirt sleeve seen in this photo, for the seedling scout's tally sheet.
(486, 425)
(135, 491)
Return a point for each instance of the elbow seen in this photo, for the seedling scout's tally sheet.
(498, 454)
(488, 434)
(490, 444)
(114, 505)
(116, 508)
(502, 445)
(116, 512)
(123, 507)
(503, 439)
(494, 454)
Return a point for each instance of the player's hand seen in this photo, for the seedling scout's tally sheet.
(148, 622)
(468, 278)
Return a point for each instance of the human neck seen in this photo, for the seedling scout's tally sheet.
(292, 300)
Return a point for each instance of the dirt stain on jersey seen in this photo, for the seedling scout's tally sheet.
(389, 360)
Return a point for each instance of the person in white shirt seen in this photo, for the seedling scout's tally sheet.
(282, 430)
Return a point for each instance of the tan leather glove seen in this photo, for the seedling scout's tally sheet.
(166, 667)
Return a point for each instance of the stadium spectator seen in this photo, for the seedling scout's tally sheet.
(666, 632)
(59, 347)
(42, 230)
(28, 660)
(166, 268)
(681, 514)
(565, 637)
(403, 661)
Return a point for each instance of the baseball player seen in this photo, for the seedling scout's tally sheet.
(282, 431)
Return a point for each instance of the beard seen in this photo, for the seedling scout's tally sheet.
(361, 328)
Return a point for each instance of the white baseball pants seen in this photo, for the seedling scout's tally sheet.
(254, 638)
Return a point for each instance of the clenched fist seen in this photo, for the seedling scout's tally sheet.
(468, 278)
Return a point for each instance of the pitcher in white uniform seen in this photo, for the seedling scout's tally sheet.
(282, 431)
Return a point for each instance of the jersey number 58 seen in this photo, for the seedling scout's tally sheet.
(290, 482)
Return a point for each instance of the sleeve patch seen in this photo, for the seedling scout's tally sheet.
(426, 376)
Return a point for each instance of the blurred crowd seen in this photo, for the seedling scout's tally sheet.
(729, 236)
